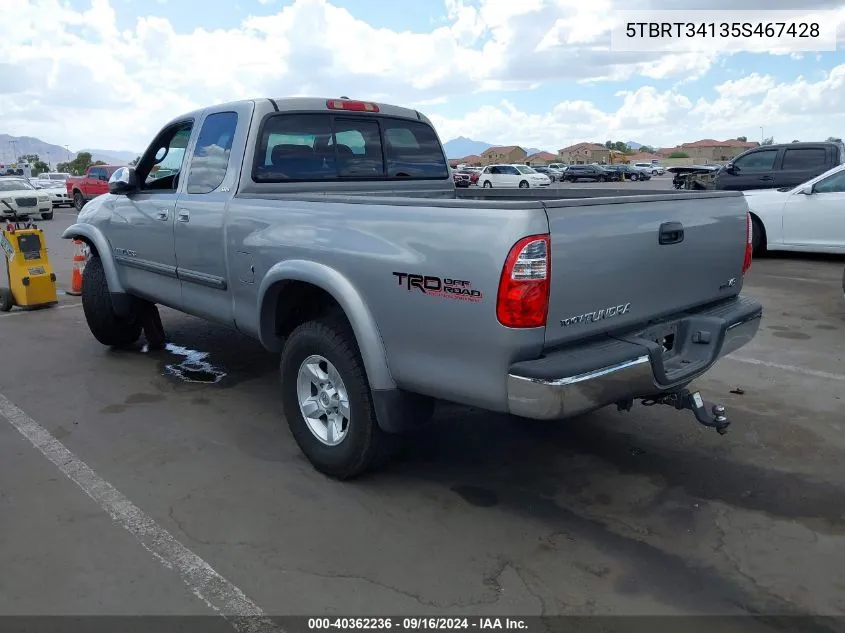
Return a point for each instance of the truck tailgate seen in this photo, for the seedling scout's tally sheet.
(611, 269)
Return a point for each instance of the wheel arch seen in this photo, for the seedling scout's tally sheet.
(289, 279)
(755, 218)
(99, 245)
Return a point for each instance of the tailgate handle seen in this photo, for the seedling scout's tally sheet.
(671, 233)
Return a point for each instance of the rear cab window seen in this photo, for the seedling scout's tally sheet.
(329, 147)
(805, 158)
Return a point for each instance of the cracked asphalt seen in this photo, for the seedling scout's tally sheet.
(614, 513)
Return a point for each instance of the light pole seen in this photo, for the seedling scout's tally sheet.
(761, 135)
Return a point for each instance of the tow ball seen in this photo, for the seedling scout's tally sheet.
(712, 417)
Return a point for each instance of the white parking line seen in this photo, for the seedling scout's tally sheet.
(792, 368)
(64, 306)
(209, 586)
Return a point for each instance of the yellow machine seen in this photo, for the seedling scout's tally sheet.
(32, 282)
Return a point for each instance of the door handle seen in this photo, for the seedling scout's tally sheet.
(767, 177)
(163, 214)
(671, 233)
(183, 215)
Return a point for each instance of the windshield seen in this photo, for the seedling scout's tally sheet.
(8, 184)
(525, 170)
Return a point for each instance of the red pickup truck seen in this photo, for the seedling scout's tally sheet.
(94, 183)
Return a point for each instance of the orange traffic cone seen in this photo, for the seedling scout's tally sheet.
(80, 258)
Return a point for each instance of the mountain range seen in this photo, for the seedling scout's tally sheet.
(14, 146)
(463, 146)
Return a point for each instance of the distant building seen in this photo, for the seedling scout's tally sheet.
(711, 150)
(540, 159)
(584, 154)
(508, 154)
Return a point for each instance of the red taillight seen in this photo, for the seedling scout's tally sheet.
(749, 243)
(523, 299)
(351, 106)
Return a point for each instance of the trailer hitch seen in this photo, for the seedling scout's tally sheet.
(713, 417)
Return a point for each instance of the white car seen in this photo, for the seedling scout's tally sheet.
(56, 190)
(507, 176)
(654, 170)
(808, 218)
(18, 197)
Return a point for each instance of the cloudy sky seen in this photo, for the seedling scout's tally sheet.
(108, 73)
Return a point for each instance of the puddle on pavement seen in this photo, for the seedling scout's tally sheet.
(195, 367)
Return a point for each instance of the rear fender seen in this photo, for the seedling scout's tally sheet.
(347, 296)
(94, 237)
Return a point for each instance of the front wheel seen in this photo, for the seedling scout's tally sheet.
(47, 216)
(523, 184)
(78, 200)
(635, 176)
(327, 402)
(106, 326)
(7, 301)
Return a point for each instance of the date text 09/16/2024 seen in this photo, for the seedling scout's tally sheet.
(417, 623)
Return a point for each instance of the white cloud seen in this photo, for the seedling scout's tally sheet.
(802, 109)
(72, 77)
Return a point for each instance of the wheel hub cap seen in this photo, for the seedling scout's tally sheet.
(323, 400)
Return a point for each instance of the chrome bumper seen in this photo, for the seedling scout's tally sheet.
(559, 398)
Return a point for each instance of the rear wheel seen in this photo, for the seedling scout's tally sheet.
(487, 184)
(635, 176)
(758, 237)
(523, 184)
(106, 326)
(327, 401)
(78, 200)
(47, 216)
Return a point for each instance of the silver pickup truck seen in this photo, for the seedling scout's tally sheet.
(331, 231)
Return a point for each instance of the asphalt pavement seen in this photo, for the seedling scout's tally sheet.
(125, 489)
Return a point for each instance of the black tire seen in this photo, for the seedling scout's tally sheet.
(635, 176)
(523, 184)
(365, 445)
(487, 184)
(78, 200)
(758, 237)
(106, 326)
(47, 216)
(7, 301)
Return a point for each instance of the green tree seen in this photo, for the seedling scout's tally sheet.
(38, 165)
(646, 149)
(744, 139)
(79, 164)
(678, 155)
(768, 141)
(833, 139)
(618, 146)
(134, 161)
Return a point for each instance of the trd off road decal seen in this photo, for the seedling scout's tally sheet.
(439, 286)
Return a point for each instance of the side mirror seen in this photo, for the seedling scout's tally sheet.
(123, 181)
(730, 168)
(806, 191)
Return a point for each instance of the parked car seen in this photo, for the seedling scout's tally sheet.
(56, 190)
(19, 197)
(508, 176)
(553, 175)
(54, 176)
(462, 179)
(558, 166)
(301, 224)
(808, 217)
(775, 166)
(628, 172)
(95, 182)
(595, 173)
(651, 168)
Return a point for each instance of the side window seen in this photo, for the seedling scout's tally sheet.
(511, 171)
(211, 155)
(96, 173)
(805, 158)
(161, 164)
(495, 170)
(757, 161)
(487, 170)
(411, 148)
(831, 184)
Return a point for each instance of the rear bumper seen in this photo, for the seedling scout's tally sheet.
(630, 366)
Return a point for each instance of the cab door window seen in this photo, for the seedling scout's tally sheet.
(161, 165)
